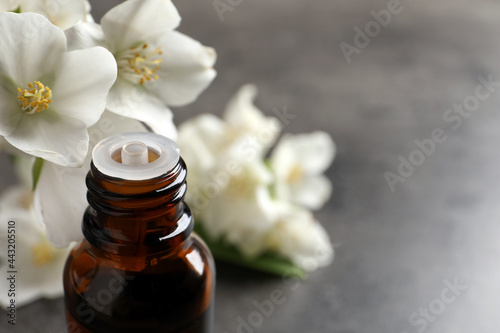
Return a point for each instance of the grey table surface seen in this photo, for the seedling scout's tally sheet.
(397, 252)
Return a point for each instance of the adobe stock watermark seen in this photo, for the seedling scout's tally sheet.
(223, 6)
(373, 28)
(454, 117)
(249, 149)
(104, 297)
(31, 29)
(264, 309)
(52, 7)
(426, 315)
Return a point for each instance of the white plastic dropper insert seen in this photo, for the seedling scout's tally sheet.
(135, 153)
(126, 156)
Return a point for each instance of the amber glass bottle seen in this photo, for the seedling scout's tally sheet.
(140, 268)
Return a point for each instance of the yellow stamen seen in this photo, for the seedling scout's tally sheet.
(36, 99)
(139, 64)
(43, 253)
(296, 174)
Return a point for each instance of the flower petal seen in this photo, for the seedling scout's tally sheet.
(60, 140)
(85, 35)
(246, 224)
(314, 151)
(62, 210)
(133, 101)
(38, 279)
(283, 159)
(15, 198)
(136, 21)
(245, 117)
(311, 192)
(8, 5)
(30, 47)
(10, 113)
(88, 13)
(298, 161)
(186, 69)
(61, 198)
(298, 236)
(83, 83)
(199, 140)
(64, 14)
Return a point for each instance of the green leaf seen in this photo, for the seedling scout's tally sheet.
(17, 10)
(268, 262)
(36, 171)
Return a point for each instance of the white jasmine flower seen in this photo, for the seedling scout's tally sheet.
(240, 211)
(157, 66)
(299, 237)
(64, 14)
(201, 140)
(48, 96)
(61, 194)
(244, 131)
(244, 118)
(229, 184)
(38, 264)
(226, 173)
(88, 12)
(298, 162)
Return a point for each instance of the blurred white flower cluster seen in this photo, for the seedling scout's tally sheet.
(66, 83)
(38, 263)
(251, 202)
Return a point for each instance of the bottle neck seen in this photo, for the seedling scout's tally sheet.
(137, 217)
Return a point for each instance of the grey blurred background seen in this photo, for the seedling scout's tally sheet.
(421, 258)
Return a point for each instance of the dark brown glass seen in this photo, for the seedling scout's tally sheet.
(140, 267)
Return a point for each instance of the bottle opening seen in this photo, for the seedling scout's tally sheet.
(136, 156)
(135, 153)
